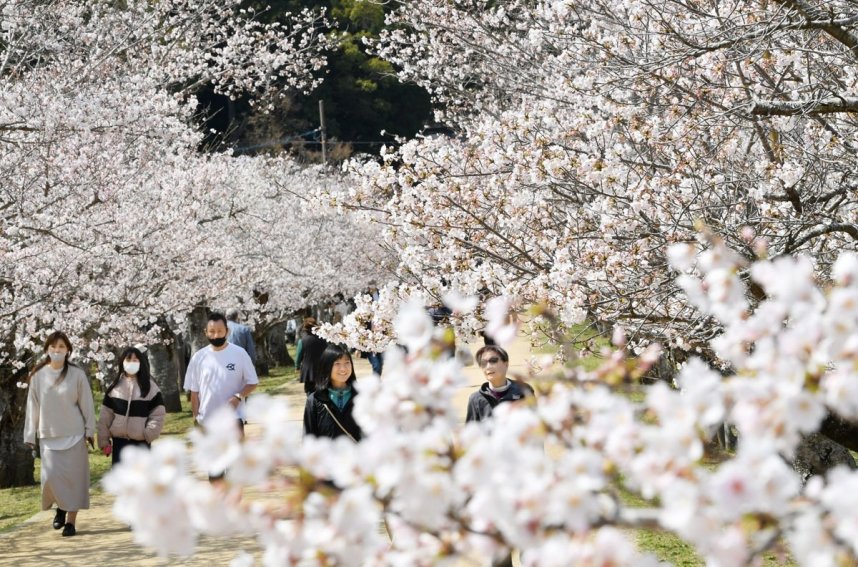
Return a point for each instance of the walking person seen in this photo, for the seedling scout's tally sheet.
(328, 411)
(219, 374)
(497, 389)
(133, 409)
(60, 414)
(240, 334)
(308, 354)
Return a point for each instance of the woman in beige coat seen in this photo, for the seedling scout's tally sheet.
(61, 416)
(133, 409)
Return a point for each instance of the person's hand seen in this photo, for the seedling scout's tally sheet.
(108, 449)
(30, 445)
(234, 401)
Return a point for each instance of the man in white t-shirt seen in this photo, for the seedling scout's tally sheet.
(219, 374)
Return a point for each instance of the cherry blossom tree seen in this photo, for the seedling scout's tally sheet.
(111, 217)
(589, 136)
(545, 477)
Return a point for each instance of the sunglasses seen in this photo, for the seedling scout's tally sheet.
(486, 361)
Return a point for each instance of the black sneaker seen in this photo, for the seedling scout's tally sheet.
(69, 530)
(59, 519)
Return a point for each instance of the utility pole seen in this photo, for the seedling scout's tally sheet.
(322, 130)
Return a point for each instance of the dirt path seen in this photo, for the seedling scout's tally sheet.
(103, 541)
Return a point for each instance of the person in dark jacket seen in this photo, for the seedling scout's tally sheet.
(308, 354)
(328, 411)
(494, 361)
(498, 389)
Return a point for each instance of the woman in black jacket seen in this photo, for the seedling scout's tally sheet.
(328, 412)
(308, 354)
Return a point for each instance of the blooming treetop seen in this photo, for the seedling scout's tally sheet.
(590, 136)
(544, 477)
(112, 218)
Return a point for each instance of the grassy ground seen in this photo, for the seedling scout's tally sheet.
(584, 339)
(19, 504)
(666, 546)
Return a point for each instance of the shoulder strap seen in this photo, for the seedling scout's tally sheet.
(340, 425)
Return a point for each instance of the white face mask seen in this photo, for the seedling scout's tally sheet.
(57, 356)
(131, 367)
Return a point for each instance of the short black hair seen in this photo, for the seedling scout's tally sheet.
(216, 316)
(493, 348)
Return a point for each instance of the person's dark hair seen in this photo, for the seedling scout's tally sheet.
(144, 377)
(491, 348)
(215, 316)
(309, 324)
(53, 338)
(331, 354)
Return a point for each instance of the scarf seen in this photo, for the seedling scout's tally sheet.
(340, 397)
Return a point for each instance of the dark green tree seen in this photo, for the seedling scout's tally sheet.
(361, 92)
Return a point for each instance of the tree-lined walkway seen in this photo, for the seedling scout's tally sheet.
(103, 540)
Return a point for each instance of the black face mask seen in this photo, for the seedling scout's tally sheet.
(219, 342)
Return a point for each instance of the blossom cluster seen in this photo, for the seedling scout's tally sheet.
(547, 477)
(587, 137)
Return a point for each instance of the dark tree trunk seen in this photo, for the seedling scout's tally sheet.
(275, 344)
(183, 354)
(196, 330)
(164, 364)
(16, 459)
(841, 431)
(817, 454)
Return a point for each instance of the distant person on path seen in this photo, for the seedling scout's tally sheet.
(308, 354)
(376, 361)
(240, 334)
(61, 415)
(328, 411)
(291, 331)
(219, 374)
(133, 409)
(494, 362)
(498, 389)
(341, 308)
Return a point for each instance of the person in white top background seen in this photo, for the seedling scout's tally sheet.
(60, 414)
(219, 374)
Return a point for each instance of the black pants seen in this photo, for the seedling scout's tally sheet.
(119, 443)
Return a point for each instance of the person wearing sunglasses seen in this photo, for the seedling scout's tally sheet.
(494, 362)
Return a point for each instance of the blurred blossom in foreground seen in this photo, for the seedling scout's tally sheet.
(541, 477)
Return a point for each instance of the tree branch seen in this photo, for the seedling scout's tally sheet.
(828, 105)
(850, 229)
(823, 21)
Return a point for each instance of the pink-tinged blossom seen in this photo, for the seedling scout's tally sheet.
(541, 477)
(413, 326)
(148, 486)
(498, 325)
(845, 270)
(217, 444)
(459, 303)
